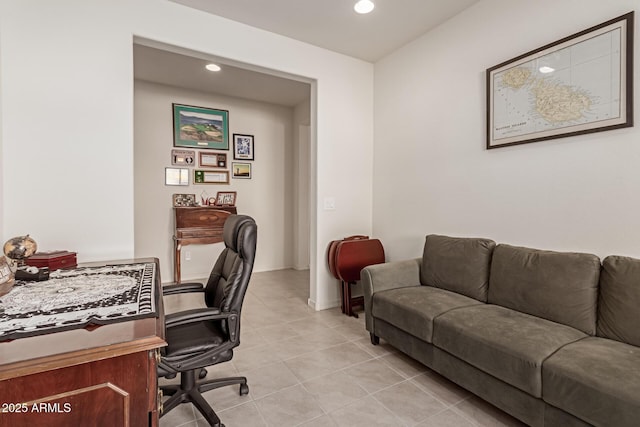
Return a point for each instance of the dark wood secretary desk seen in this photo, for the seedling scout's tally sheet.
(98, 376)
(197, 226)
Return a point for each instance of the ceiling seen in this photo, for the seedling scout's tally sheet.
(333, 24)
(187, 71)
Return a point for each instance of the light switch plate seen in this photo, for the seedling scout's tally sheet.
(329, 203)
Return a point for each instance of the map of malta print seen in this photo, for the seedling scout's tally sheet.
(574, 86)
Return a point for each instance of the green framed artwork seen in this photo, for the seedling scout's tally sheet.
(210, 177)
(199, 127)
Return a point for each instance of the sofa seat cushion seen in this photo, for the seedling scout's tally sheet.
(504, 343)
(413, 309)
(595, 379)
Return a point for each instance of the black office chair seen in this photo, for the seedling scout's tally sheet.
(203, 337)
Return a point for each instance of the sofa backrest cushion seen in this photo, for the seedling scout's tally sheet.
(557, 286)
(457, 264)
(619, 300)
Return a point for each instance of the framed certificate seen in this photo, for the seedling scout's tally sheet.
(176, 176)
(210, 177)
(212, 160)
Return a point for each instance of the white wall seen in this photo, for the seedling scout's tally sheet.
(2, 157)
(67, 123)
(267, 196)
(432, 173)
(73, 120)
(301, 185)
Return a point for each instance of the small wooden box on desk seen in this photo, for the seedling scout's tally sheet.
(197, 226)
(53, 260)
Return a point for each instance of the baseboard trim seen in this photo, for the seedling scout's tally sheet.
(327, 305)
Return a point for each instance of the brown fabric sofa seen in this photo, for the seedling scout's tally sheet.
(552, 338)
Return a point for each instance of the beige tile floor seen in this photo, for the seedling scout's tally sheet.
(318, 368)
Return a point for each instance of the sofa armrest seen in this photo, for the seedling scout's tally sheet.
(382, 277)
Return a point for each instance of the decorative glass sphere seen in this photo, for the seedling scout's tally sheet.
(19, 248)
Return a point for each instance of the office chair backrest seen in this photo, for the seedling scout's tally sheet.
(230, 276)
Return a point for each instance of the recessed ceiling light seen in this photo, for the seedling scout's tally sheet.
(364, 6)
(212, 67)
(545, 69)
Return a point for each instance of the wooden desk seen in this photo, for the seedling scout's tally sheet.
(96, 376)
(197, 226)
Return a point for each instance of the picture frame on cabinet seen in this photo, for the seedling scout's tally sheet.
(226, 198)
(184, 200)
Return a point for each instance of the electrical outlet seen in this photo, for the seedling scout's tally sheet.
(187, 256)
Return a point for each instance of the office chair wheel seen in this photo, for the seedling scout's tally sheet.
(170, 376)
(202, 373)
(244, 389)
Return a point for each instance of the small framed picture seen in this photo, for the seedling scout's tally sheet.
(184, 200)
(241, 170)
(226, 198)
(213, 160)
(210, 177)
(242, 147)
(183, 157)
(176, 176)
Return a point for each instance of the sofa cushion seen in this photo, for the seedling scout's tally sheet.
(413, 309)
(457, 264)
(557, 286)
(504, 343)
(618, 313)
(595, 379)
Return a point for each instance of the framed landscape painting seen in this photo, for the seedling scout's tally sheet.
(199, 127)
(241, 170)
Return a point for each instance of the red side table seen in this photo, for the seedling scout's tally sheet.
(346, 259)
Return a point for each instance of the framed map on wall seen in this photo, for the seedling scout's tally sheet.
(580, 84)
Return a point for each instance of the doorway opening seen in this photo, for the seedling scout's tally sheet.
(273, 107)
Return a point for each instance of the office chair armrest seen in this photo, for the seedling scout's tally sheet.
(194, 315)
(182, 288)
